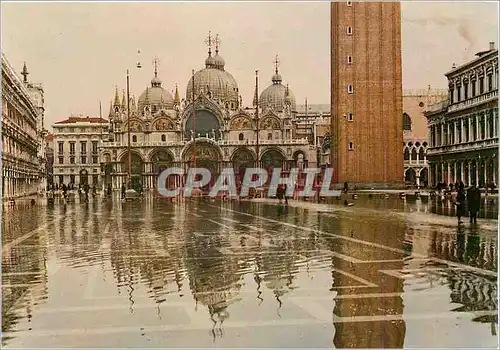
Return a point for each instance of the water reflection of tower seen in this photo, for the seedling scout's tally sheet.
(475, 293)
(370, 334)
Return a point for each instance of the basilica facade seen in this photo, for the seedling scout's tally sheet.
(209, 128)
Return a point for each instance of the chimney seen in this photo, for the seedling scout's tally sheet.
(492, 45)
(454, 66)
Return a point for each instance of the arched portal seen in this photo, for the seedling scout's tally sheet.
(203, 155)
(161, 160)
(242, 159)
(136, 169)
(270, 160)
(206, 123)
(410, 176)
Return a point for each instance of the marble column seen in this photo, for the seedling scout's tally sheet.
(478, 169)
(495, 116)
(469, 120)
(495, 167)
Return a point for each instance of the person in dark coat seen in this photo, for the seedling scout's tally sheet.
(473, 202)
(65, 190)
(460, 204)
(123, 190)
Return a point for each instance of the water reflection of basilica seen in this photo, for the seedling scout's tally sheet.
(227, 133)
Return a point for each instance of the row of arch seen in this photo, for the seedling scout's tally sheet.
(417, 176)
(414, 154)
(213, 152)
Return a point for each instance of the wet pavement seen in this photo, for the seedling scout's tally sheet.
(246, 274)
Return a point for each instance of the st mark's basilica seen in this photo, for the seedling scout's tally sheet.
(209, 128)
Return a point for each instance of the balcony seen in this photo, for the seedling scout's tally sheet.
(302, 141)
(473, 101)
(420, 162)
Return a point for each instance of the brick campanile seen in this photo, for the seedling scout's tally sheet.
(366, 98)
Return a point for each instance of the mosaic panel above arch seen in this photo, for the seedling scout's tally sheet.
(135, 125)
(270, 123)
(241, 123)
(163, 124)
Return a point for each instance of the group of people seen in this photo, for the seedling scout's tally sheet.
(473, 199)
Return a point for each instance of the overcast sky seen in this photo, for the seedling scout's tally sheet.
(80, 51)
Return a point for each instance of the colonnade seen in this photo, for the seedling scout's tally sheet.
(481, 171)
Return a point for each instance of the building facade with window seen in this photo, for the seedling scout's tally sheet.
(416, 135)
(209, 128)
(23, 166)
(76, 145)
(463, 128)
(366, 99)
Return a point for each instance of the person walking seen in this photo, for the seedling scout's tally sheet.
(64, 190)
(473, 202)
(460, 204)
(86, 189)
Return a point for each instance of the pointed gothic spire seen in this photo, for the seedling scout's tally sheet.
(177, 100)
(111, 110)
(256, 93)
(117, 98)
(25, 73)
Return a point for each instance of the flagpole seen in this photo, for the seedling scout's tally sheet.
(129, 185)
(194, 126)
(257, 119)
(100, 131)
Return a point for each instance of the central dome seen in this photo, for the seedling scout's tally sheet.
(214, 82)
(156, 97)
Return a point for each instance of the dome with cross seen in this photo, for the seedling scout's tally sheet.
(276, 96)
(213, 80)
